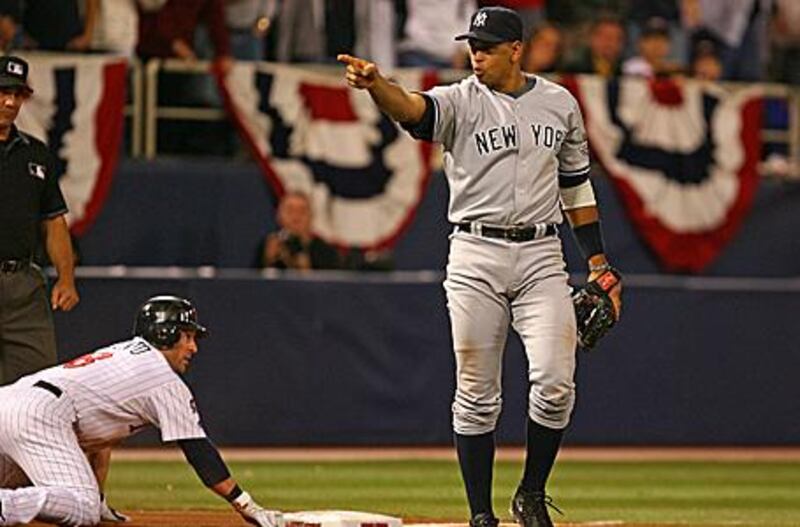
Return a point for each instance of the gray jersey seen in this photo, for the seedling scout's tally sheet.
(503, 155)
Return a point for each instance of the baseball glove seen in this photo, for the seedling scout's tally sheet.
(595, 313)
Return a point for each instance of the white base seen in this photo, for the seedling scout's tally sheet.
(339, 519)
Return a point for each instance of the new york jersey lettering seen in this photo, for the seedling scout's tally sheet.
(496, 138)
(547, 136)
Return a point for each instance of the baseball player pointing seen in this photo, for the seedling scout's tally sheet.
(49, 419)
(515, 156)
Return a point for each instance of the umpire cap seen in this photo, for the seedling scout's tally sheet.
(14, 73)
(494, 24)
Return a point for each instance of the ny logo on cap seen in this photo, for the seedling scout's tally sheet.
(15, 68)
(480, 19)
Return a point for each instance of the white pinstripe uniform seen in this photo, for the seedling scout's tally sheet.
(49, 419)
(503, 157)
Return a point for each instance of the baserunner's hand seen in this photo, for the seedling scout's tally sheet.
(360, 73)
(255, 514)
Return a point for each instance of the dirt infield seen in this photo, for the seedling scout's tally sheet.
(177, 519)
(230, 519)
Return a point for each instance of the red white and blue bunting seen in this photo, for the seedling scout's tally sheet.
(310, 133)
(682, 155)
(77, 110)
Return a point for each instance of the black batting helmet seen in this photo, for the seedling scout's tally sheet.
(161, 319)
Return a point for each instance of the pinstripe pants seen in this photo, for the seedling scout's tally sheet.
(36, 436)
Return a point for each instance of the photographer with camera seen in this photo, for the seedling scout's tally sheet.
(294, 246)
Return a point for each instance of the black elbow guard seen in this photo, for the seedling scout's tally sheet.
(205, 459)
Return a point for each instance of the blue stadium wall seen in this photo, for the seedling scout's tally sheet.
(365, 359)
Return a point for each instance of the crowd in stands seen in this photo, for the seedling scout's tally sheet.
(737, 40)
(741, 40)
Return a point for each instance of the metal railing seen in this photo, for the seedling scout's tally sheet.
(146, 111)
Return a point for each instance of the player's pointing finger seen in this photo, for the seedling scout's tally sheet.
(347, 59)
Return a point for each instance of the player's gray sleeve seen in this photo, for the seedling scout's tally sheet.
(447, 102)
(573, 157)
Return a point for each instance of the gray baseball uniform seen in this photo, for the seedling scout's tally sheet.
(503, 156)
(48, 420)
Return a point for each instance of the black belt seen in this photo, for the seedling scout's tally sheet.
(512, 234)
(12, 266)
(55, 390)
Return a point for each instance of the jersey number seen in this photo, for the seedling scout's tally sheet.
(85, 360)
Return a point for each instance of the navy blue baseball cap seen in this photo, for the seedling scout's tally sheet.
(494, 24)
(14, 73)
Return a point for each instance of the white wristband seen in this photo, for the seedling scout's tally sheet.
(579, 196)
(242, 501)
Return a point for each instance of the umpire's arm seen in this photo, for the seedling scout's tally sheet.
(59, 249)
(394, 100)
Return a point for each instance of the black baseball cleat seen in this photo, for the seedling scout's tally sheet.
(484, 519)
(530, 508)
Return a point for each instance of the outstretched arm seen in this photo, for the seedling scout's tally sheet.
(212, 471)
(394, 100)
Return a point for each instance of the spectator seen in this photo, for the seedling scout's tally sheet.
(787, 41)
(48, 25)
(117, 26)
(169, 32)
(532, 12)
(572, 14)
(603, 55)
(543, 50)
(740, 27)
(301, 31)
(654, 47)
(428, 33)
(8, 31)
(248, 22)
(318, 30)
(705, 62)
(294, 246)
(375, 22)
(676, 15)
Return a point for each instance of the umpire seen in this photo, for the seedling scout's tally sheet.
(31, 205)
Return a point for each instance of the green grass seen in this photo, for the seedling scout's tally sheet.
(689, 493)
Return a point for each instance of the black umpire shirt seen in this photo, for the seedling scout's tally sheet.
(29, 193)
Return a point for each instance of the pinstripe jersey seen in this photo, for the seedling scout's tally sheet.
(120, 389)
(503, 155)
